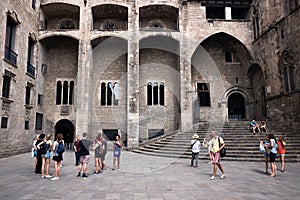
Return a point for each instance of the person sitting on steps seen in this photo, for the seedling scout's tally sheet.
(254, 126)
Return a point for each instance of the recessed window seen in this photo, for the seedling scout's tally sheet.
(6, 86)
(10, 39)
(65, 92)
(215, 12)
(40, 99)
(4, 122)
(30, 55)
(203, 94)
(39, 121)
(109, 94)
(155, 93)
(27, 95)
(26, 125)
(287, 67)
(228, 56)
(33, 2)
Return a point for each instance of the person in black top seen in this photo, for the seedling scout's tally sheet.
(38, 166)
(84, 145)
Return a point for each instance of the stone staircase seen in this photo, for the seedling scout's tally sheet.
(241, 144)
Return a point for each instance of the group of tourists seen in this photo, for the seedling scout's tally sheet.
(216, 150)
(271, 148)
(43, 147)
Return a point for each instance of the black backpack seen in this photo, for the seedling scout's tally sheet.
(43, 148)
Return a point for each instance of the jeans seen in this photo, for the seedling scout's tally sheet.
(77, 156)
(194, 160)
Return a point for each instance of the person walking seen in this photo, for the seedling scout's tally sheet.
(273, 153)
(45, 148)
(217, 143)
(195, 145)
(77, 150)
(117, 152)
(281, 151)
(58, 149)
(84, 145)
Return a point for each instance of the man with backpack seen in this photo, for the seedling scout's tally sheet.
(217, 145)
(84, 145)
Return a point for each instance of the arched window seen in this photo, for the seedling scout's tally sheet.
(58, 92)
(65, 92)
(286, 69)
(109, 93)
(155, 93)
(103, 94)
(116, 94)
(149, 94)
(71, 94)
(162, 94)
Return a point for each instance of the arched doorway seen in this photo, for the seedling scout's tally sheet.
(236, 106)
(66, 128)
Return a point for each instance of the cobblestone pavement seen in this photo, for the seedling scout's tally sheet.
(146, 177)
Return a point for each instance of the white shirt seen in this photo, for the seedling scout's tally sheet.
(196, 146)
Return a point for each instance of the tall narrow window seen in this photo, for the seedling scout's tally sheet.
(10, 41)
(203, 94)
(6, 86)
(109, 93)
(26, 125)
(162, 94)
(155, 93)
(71, 94)
(228, 56)
(116, 94)
(103, 94)
(40, 99)
(149, 94)
(4, 122)
(33, 2)
(27, 95)
(65, 92)
(58, 92)
(30, 53)
(38, 121)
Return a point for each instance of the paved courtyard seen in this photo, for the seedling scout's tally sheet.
(146, 177)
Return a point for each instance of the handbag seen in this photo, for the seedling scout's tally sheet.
(262, 148)
(223, 150)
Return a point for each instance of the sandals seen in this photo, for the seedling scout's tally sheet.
(272, 175)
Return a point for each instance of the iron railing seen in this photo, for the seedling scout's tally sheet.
(11, 55)
(30, 69)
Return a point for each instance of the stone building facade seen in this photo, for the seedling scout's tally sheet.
(143, 68)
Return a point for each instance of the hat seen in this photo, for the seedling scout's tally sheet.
(195, 136)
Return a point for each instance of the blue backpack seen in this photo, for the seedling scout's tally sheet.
(60, 148)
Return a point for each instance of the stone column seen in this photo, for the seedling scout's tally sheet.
(186, 90)
(133, 79)
(83, 73)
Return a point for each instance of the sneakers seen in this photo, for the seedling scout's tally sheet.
(48, 176)
(212, 178)
(54, 178)
(84, 176)
(223, 176)
(79, 174)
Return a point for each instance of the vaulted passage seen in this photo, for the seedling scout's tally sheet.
(66, 128)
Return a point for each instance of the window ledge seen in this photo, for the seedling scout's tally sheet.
(30, 75)
(28, 106)
(9, 62)
(7, 100)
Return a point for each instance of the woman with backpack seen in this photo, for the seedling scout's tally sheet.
(45, 148)
(273, 153)
(58, 149)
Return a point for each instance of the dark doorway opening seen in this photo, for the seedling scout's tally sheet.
(110, 134)
(66, 128)
(236, 106)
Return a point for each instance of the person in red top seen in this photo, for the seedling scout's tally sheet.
(281, 151)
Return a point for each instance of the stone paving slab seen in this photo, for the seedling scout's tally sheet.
(147, 177)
